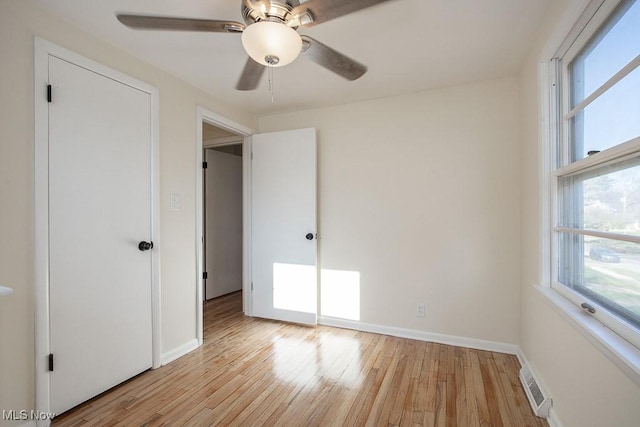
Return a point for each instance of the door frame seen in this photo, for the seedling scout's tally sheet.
(42, 50)
(204, 115)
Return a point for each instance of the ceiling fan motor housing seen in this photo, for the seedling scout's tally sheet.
(275, 11)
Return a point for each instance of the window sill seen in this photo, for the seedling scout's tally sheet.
(624, 355)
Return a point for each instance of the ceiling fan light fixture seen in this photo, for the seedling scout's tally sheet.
(266, 40)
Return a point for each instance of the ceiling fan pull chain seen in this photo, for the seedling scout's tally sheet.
(271, 83)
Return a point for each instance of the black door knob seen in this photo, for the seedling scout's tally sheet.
(145, 246)
(309, 236)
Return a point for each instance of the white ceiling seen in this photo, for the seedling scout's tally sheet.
(408, 45)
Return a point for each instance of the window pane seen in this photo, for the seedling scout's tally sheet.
(613, 47)
(613, 118)
(603, 270)
(606, 199)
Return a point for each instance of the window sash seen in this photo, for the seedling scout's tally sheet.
(626, 70)
(618, 153)
(602, 314)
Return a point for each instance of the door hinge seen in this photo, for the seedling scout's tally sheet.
(251, 285)
(205, 275)
(204, 165)
(49, 93)
(50, 362)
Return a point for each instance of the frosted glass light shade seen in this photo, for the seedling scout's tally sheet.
(263, 39)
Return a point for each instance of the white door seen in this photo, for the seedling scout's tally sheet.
(99, 210)
(223, 223)
(283, 222)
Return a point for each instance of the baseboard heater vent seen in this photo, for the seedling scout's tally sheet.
(538, 401)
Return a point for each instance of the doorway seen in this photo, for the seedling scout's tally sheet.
(219, 131)
(222, 193)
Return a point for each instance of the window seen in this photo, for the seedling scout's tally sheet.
(596, 177)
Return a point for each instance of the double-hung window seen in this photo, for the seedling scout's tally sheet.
(595, 179)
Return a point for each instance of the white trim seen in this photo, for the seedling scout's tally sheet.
(603, 314)
(414, 334)
(179, 351)
(42, 50)
(247, 230)
(622, 353)
(156, 280)
(203, 115)
(549, 92)
(41, 218)
(553, 419)
(219, 142)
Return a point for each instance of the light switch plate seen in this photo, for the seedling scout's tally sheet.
(175, 201)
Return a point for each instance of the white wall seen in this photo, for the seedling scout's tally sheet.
(19, 23)
(587, 389)
(419, 194)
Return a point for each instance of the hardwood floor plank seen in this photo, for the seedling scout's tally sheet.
(252, 371)
(480, 390)
(460, 397)
(472, 416)
(451, 399)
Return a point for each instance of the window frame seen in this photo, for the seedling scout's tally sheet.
(557, 159)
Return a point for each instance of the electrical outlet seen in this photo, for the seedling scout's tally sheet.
(420, 310)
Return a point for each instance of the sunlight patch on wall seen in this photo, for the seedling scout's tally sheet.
(340, 294)
(294, 287)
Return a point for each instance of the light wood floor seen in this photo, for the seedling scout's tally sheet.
(257, 372)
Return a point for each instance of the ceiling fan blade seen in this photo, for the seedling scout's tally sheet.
(260, 7)
(314, 12)
(250, 76)
(331, 59)
(145, 22)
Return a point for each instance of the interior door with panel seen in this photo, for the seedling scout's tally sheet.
(283, 223)
(99, 219)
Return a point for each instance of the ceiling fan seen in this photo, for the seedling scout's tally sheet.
(270, 35)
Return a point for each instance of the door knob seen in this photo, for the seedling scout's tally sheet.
(145, 246)
(309, 236)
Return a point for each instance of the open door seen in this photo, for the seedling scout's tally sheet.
(283, 222)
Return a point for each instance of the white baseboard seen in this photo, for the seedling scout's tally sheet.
(177, 352)
(521, 357)
(413, 334)
(553, 419)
